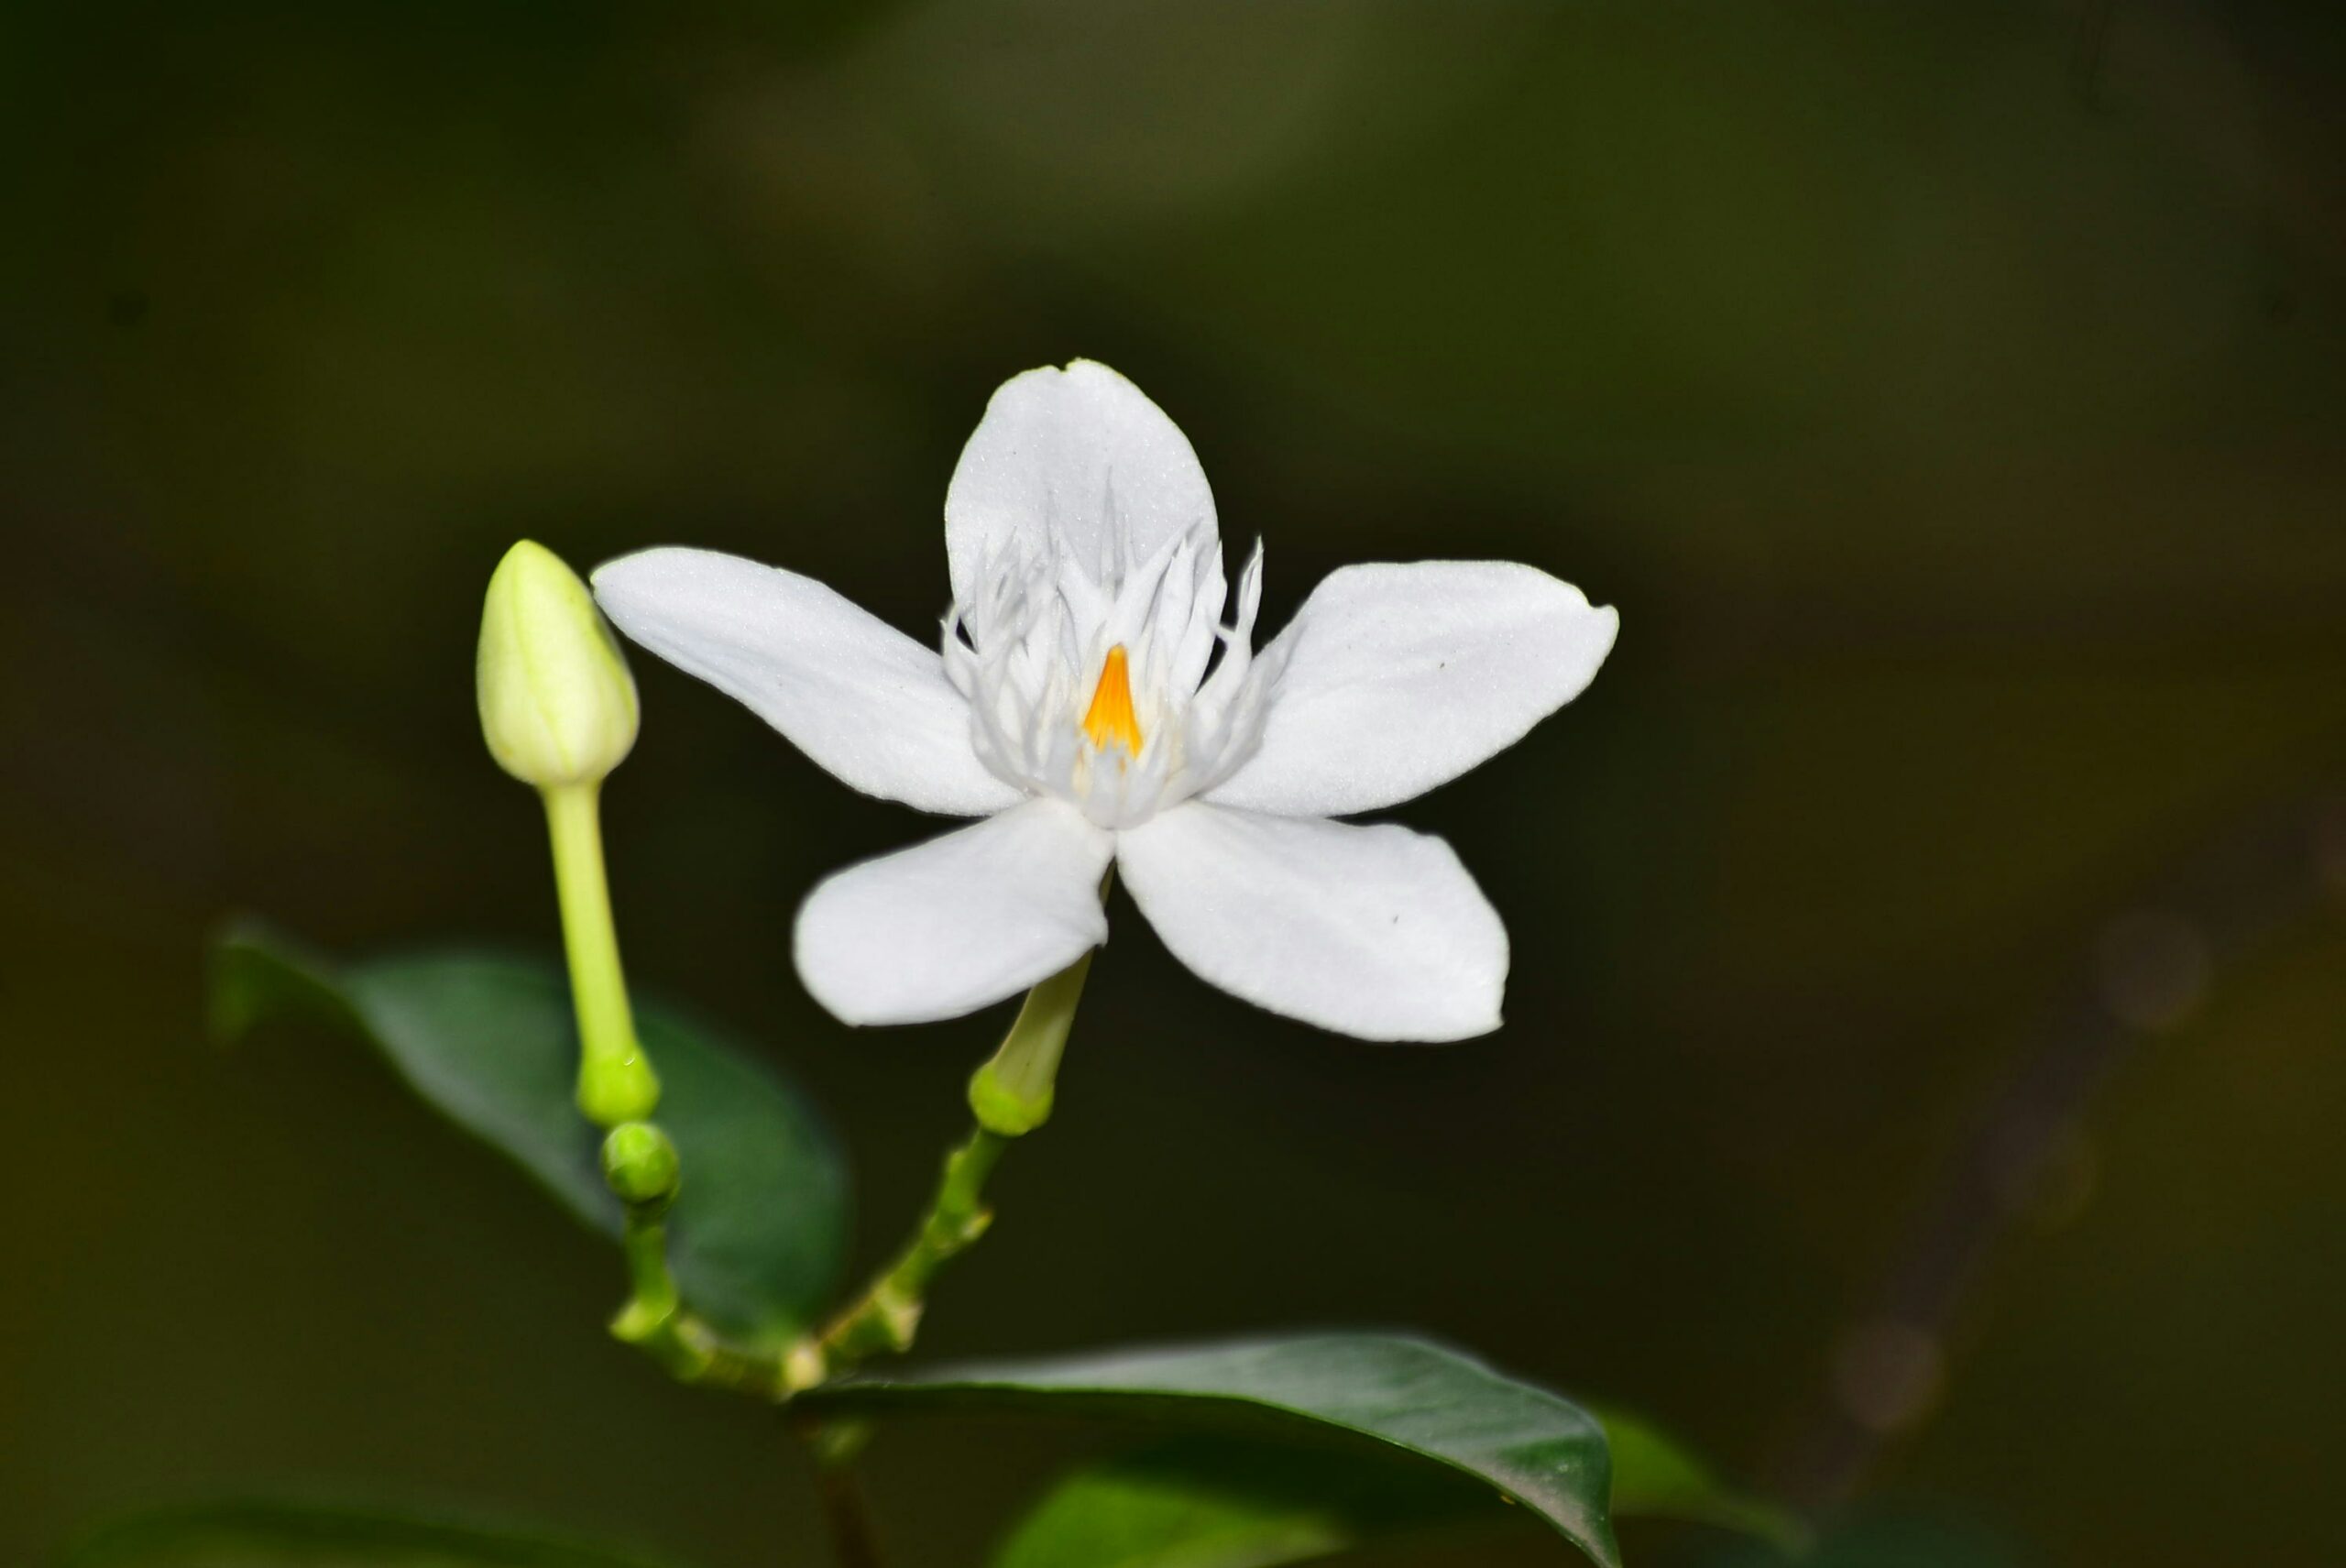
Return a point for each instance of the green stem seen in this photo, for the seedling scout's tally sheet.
(1010, 1095)
(653, 1320)
(683, 1345)
(615, 1081)
(886, 1316)
(884, 1319)
(645, 1242)
(617, 1087)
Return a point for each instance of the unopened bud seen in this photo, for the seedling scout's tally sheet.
(639, 1163)
(557, 704)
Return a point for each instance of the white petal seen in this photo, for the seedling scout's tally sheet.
(1372, 931)
(1080, 454)
(1401, 678)
(946, 927)
(852, 692)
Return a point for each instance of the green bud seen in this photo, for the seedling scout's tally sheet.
(557, 704)
(639, 1163)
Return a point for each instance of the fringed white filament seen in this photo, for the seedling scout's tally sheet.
(1028, 652)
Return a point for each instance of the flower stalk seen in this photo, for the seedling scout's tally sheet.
(1010, 1096)
(679, 1341)
(653, 1320)
(616, 1083)
(887, 1315)
(1011, 1093)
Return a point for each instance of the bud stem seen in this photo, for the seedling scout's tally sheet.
(646, 1246)
(653, 1320)
(1010, 1095)
(888, 1314)
(615, 1081)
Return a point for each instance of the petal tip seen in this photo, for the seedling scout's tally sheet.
(622, 572)
(1469, 1024)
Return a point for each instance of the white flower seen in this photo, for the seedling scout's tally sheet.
(1076, 706)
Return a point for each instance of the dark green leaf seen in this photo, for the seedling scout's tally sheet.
(1226, 1503)
(1391, 1394)
(759, 1228)
(286, 1535)
(1230, 1503)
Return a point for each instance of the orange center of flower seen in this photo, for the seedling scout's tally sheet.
(1110, 717)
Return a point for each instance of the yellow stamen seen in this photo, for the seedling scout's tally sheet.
(1111, 716)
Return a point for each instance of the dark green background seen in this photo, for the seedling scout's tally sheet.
(1950, 397)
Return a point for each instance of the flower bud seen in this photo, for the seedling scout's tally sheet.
(558, 704)
(639, 1163)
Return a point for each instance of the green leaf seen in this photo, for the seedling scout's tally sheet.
(1220, 1503)
(759, 1230)
(287, 1535)
(1225, 1503)
(1653, 1477)
(1384, 1393)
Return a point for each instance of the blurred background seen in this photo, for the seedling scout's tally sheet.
(1923, 1067)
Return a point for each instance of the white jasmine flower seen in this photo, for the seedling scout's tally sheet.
(1077, 705)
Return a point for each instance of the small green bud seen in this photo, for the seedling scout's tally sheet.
(639, 1163)
(557, 704)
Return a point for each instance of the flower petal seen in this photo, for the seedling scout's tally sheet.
(1401, 678)
(1373, 931)
(1081, 454)
(946, 927)
(852, 692)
